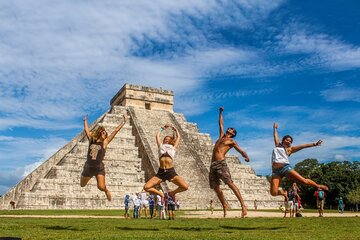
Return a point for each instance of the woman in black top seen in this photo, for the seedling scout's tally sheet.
(94, 166)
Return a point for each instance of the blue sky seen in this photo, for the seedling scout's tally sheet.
(294, 62)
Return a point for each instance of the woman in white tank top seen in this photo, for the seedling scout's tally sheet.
(167, 148)
(281, 165)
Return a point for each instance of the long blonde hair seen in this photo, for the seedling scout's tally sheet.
(172, 139)
(95, 135)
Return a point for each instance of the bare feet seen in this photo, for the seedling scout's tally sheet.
(243, 212)
(108, 195)
(225, 210)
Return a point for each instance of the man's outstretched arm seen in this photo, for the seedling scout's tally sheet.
(242, 152)
(221, 122)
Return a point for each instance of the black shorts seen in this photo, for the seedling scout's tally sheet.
(171, 207)
(166, 174)
(93, 170)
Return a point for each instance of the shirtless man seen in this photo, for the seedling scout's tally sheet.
(219, 169)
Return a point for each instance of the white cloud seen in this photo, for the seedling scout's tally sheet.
(29, 168)
(20, 156)
(63, 59)
(339, 157)
(341, 94)
(17, 150)
(325, 50)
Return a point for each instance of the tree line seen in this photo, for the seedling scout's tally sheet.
(342, 178)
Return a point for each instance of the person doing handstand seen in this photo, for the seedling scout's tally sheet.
(219, 169)
(281, 165)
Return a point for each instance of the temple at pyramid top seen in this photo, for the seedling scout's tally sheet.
(144, 97)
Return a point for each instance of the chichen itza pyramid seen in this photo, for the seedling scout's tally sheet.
(132, 158)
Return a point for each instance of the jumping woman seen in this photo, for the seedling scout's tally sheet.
(281, 165)
(94, 166)
(166, 172)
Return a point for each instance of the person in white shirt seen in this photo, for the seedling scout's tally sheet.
(281, 164)
(137, 203)
(144, 204)
(160, 206)
(166, 172)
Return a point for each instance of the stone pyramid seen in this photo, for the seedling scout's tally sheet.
(132, 158)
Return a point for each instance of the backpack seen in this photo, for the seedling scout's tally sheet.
(321, 195)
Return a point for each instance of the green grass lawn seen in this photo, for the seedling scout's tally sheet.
(181, 228)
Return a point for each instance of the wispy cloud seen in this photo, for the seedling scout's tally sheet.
(63, 59)
(46, 47)
(20, 156)
(324, 50)
(15, 150)
(341, 94)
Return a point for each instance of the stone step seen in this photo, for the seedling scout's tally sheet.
(53, 185)
(119, 160)
(111, 172)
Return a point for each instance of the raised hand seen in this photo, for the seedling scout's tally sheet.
(275, 125)
(318, 143)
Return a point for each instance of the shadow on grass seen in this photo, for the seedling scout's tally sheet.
(251, 228)
(193, 229)
(137, 229)
(69, 228)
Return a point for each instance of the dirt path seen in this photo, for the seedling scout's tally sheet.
(260, 214)
(196, 214)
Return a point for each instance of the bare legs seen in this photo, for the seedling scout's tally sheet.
(100, 184)
(221, 197)
(84, 181)
(237, 193)
(293, 175)
(177, 180)
(182, 186)
(274, 188)
(236, 190)
(102, 187)
(150, 186)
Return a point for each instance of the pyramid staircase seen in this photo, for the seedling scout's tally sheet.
(131, 159)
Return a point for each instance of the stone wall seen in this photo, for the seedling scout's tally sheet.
(144, 97)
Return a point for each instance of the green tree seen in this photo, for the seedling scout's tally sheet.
(354, 196)
(340, 177)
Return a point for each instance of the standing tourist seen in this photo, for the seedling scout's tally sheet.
(341, 205)
(127, 203)
(320, 201)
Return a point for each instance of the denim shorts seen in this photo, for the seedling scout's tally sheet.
(281, 171)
